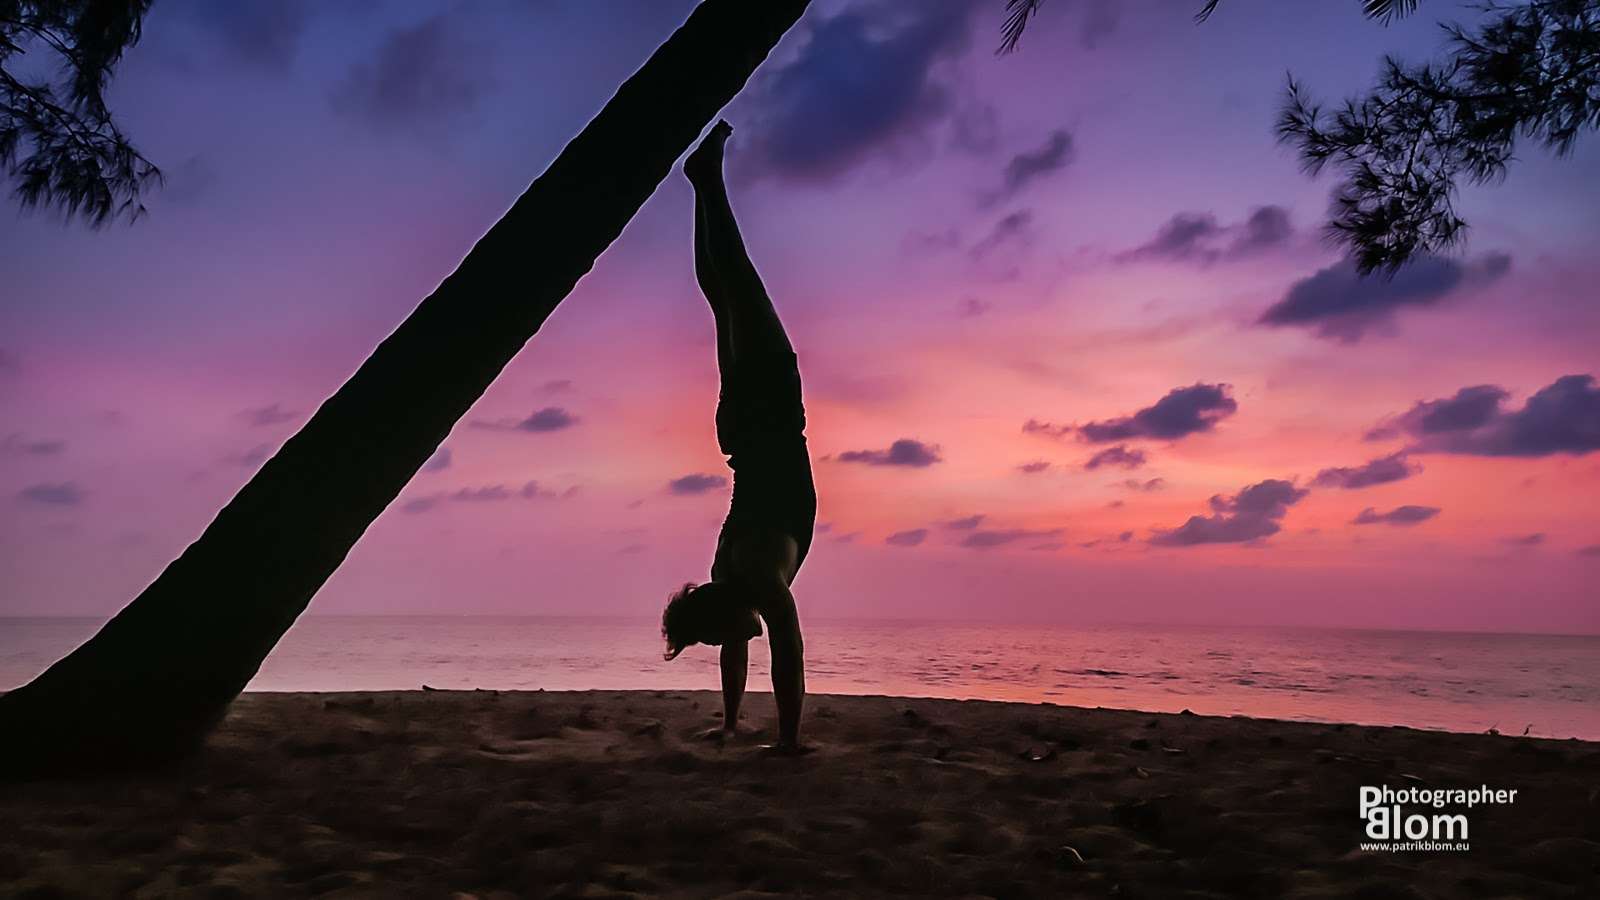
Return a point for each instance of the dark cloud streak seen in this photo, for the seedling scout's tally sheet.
(864, 80)
(1343, 306)
(423, 77)
(906, 452)
(1383, 470)
(1253, 514)
(1400, 516)
(1120, 456)
(63, 493)
(695, 484)
(1562, 417)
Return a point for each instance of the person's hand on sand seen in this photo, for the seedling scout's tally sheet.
(787, 749)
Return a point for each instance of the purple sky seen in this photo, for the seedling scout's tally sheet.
(1074, 348)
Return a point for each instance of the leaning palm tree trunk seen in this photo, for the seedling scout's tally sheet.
(154, 680)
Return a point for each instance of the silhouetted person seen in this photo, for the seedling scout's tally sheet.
(760, 426)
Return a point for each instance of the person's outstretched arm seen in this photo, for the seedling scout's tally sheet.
(735, 666)
(788, 664)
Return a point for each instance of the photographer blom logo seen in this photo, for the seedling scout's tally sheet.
(1422, 818)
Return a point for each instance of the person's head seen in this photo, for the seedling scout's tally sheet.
(710, 613)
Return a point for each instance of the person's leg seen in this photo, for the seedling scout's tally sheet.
(705, 272)
(753, 324)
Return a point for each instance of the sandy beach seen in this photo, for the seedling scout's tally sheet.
(501, 794)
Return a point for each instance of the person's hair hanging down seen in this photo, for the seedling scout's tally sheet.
(761, 427)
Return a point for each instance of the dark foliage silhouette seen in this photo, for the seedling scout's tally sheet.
(58, 142)
(1530, 71)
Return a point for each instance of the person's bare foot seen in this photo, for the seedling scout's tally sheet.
(705, 162)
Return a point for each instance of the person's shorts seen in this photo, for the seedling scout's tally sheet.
(761, 427)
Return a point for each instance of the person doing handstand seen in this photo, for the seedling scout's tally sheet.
(760, 427)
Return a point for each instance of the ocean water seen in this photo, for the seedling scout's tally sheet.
(1547, 684)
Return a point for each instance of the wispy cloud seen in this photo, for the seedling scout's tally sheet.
(1253, 514)
(906, 452)
(1199, 238)
(1562, 417)
(61, 493)
(550, 418)
(1340, 304)
(909, 538)
(1120, 457)
(695, 484)
(1383, 470)
(1401, 516)
(1182, 412)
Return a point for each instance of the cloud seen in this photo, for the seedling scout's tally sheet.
(1048, 429)
(696, 483)
(262, 33)
(1267, 227)
(1182, 412)
(904, 452)
(1034, 467)
(422, 76)
(1119, 456)
(1526, 540)
(966, 523)
(1143, 487)
(550, 418)
(189, 181)
(1562, 417)
(1013, 229)
(1383, 470)
(1343, 306)
(1183, 237)
(864, 84)
(264, 416)
(909, 538)
(1252, 514)
(250, 458)
(1470, 408)
(533, 490)
(64, 493)
(930, 243)
(493, 493)
(17, 445)
(1591, 551)
(439, 461)
(1399, 516)
(988, 540)
(1100, 21)
(975, 127)
(489, 493)
(972, 307)
(1029, 166)
(1123, 538)
(557, 386)
(1199, 238)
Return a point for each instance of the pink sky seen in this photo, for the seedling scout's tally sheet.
(146, 368)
